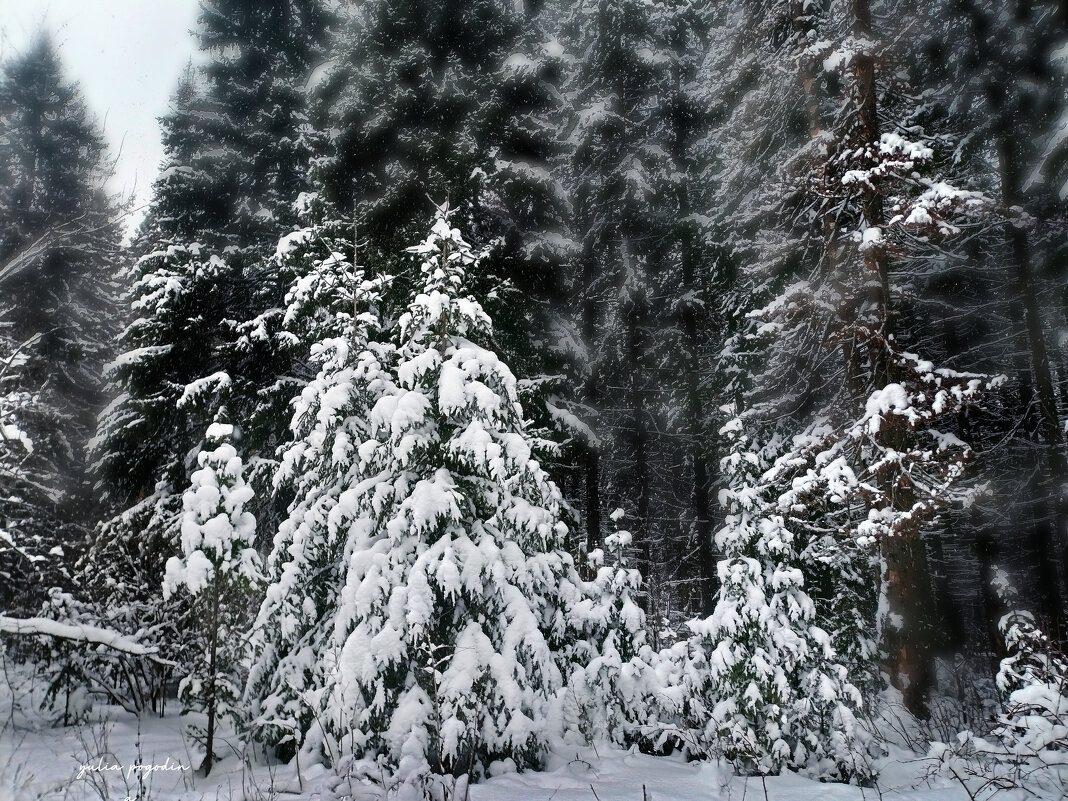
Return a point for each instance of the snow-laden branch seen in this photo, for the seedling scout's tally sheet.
(57, 236)
(28, 626)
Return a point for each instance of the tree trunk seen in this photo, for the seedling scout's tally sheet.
(695, 416)
(1051, 539)
(593, 498)
(591, 393)
(636, 318)
(807, 75)
(907, 644)
(952, 620)
(695, 413)
(907, 633)
(993, 607)
(213, 649)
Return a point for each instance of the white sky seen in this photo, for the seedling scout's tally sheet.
(126, 55)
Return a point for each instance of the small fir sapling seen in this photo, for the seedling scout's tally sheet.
(760, 680)
(218, 567)
(613, 692)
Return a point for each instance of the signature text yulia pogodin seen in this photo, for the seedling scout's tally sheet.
(102, 765)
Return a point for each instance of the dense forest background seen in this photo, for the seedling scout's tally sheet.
(778, 285)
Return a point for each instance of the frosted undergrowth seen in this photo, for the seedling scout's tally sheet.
(46, 764)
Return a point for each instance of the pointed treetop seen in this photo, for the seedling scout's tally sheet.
(217, 532)
(443, 306)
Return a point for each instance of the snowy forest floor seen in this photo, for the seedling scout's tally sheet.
(49, 764)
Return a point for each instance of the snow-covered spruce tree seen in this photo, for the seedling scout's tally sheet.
(614, 166)
(995, 79)
(218, 567)
(793, 627)
(692, 277)
(637, 175)
(1034, 682)
(887, 171)
(20, 551)
(331, 312)
(759, 681)
(58, 245)
(458, 100)
(1029, 739)
(435, 98)
(613, 691)
(866, 203)
(441, 660)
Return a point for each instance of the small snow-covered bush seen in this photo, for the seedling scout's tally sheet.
(1028, 743)
(1034, 680)
(612, 691)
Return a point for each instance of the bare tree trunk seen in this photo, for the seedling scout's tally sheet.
(591, 393)
(213, 649)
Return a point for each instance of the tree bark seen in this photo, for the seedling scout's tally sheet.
(213, 649)
(591, 393)
(907, 644)
(1050, 538)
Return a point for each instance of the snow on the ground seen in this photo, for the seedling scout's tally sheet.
(73, 763)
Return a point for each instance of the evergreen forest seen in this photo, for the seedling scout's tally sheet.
(489, 380)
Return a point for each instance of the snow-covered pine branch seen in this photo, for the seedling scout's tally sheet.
(91, 635)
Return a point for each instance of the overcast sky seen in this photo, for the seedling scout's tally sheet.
(126, 55)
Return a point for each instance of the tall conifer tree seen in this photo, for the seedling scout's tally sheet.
(438, 538)
(206, 309)
(59, 238)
